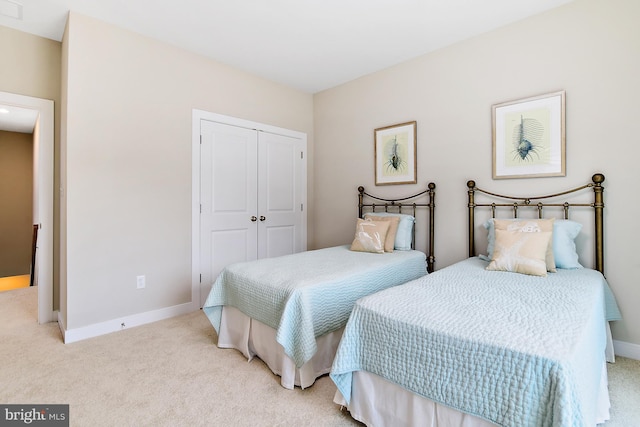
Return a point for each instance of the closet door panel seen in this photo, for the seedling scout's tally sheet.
(279, 195)
(252, 194)
(228, 198)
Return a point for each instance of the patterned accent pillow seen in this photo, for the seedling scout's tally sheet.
(531, 226)
(521, 252)
(390, 239)
(404, 235)
(370, 236)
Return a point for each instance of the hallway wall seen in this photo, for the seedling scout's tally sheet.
(16, 199)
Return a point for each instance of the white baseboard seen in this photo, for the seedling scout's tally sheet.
(626, 349)
(97, 329)
(621, 348)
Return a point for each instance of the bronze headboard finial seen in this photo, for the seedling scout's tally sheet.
(597, 178)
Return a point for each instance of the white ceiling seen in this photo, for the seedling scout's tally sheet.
(16, 119)
(310, 45)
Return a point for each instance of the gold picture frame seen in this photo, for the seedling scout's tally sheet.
(395, 150)
(529, 137)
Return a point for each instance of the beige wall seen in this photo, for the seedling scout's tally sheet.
(31, 67)
(127, 156)
(16, 199)
(589, 48)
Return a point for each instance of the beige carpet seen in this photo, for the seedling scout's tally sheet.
(170, 373)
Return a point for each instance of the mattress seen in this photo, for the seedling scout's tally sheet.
(507, 348)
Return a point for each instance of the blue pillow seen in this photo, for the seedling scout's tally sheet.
(564, 246)
(565, 232)
(404, 235)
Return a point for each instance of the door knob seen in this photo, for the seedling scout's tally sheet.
(262, 218)
(253, 218)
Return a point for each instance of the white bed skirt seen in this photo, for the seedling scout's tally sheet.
(378, 402)
(253, 338)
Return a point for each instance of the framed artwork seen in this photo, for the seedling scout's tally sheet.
(395, 154)
(529, 137)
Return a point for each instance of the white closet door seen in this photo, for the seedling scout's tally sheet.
(281, 186)
(228, 197)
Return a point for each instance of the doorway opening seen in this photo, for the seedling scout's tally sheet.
(43, 182)
(16, 194)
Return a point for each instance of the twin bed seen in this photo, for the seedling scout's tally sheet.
(479, 343)
(516, 336)
(290, 311)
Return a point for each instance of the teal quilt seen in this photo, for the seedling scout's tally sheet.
(306, 295)
(513, 349)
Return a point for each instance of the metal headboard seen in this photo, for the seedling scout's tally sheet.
(397, 206)
(526, 202)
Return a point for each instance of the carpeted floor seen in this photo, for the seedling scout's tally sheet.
(170, 373)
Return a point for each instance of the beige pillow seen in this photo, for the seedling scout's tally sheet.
(391, 233)
(370, 236)
(531, 226)
(520, 252)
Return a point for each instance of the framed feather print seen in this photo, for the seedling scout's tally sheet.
(395, 154)
(529, 137)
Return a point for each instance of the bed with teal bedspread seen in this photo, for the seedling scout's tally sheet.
(306, 295)
(513, 349)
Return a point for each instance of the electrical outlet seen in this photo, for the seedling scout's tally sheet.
(140, 282)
